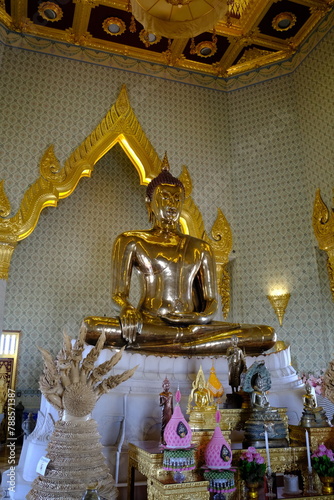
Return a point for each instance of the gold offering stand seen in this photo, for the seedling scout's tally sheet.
(147, 458)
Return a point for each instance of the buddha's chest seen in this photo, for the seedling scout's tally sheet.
(171, 259)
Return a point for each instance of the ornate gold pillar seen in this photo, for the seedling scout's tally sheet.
(6, 252)
(8, 242)
(323, 225)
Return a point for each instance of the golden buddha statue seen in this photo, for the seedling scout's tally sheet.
(176, 311)
(200, 398)
(313, 415)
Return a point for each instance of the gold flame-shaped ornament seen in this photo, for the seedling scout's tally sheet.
(279, 303)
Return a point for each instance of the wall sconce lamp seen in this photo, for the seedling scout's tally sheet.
(279, 300)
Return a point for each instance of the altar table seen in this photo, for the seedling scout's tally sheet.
(147, 458)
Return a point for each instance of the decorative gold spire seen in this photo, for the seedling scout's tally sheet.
(165, 164)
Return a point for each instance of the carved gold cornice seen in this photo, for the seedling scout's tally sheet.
(121, 126)
(323, 226)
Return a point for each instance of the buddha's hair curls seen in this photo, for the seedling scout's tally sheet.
(165, 177)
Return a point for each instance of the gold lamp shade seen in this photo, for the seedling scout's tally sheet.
(178, 18)
(279, 303)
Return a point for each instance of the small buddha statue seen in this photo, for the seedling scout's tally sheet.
(236, 364)
(200, 398)
(263, 417)
(178, 303)
(259, 398)
(166, 403)
(313, 415)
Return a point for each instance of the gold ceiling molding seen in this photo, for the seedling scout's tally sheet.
(323, 226)
(119, 126)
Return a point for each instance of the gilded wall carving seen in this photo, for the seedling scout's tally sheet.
(323, 226)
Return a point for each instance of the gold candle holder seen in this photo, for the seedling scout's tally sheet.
(279, 303)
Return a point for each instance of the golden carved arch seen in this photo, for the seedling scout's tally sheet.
(55, 182)
(323, 226)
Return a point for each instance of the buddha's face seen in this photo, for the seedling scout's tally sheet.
(166, 386)
(167, 203)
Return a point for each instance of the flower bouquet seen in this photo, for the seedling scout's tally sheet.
(314, 380)
(323, 463)
(252, 470)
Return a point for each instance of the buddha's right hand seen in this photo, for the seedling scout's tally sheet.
(131, 323)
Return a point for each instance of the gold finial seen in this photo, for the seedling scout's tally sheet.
(165, 164)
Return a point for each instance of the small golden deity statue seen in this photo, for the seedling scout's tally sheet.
(176, 311)
(200, 394)
(201, 406)
(313, 415)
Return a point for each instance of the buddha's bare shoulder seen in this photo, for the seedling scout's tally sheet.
(134, 235)
(150, 236)
(198, 243)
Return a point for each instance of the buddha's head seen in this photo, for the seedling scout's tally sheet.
(308, 388)
(165, 196)
(166, 385)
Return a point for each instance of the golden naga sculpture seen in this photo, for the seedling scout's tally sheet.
(73, 383)
(323, 226)
(179, 292)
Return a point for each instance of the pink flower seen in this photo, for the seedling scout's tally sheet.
(321, 450)
(314, 381)
(329, 454)
(259, 459)
(249, 456)
(251, 449)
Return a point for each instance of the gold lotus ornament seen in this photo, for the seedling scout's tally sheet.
(279, 300)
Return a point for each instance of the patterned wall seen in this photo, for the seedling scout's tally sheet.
(245, 152)
(315, 99)
(272, 217)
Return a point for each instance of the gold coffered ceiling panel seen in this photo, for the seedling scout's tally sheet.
(250, 34)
